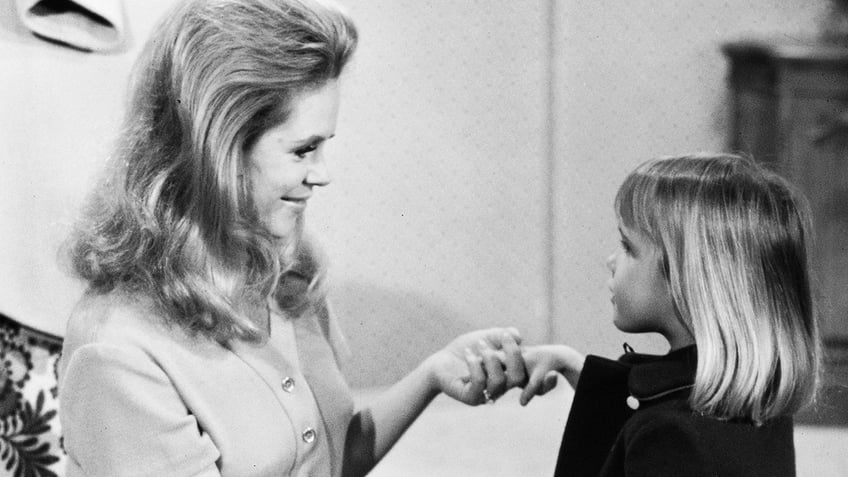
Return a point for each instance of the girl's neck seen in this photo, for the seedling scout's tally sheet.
(681, 341)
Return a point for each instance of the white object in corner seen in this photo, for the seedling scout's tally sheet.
(94, 25)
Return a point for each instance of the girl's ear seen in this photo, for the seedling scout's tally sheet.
(679, 331)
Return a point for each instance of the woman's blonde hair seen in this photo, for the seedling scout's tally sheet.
(735, 240)
(174, 218)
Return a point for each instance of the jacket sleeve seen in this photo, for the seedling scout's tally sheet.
(597, 414)
(663, 445)
(122, 416)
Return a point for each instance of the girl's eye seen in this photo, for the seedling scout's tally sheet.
(305, 150)
(626, 247)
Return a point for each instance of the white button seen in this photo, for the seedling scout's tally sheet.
(632, 403)
(288, 384)
(308, 435)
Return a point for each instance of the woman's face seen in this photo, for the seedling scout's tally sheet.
(287, 160)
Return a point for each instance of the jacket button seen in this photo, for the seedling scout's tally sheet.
(632, 402)
(308, 435)
(288, 384)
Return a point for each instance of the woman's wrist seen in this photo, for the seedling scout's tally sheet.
(429, 372)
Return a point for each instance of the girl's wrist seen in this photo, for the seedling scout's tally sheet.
(575, 360)
(568, 359)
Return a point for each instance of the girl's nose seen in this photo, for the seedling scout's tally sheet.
(611, 263)
(318, 173)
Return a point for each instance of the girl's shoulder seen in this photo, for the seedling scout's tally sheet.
(671, 430)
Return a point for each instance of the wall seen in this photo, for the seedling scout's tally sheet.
(479, 147)
(635, 80)
(59, 110)
(436, 217)
(436, 220)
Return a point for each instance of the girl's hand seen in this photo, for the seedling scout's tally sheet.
(544, 363)
(485, 360)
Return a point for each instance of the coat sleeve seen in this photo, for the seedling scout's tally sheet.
(597, 413)
(662, 445)
(122, 416)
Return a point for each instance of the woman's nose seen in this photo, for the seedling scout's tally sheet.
(318, 173)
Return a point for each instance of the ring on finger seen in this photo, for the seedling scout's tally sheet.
(488, 397)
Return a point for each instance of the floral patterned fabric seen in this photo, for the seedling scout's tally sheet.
(30, 437)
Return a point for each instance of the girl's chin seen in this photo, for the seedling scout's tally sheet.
(623, 325)
(618, 325)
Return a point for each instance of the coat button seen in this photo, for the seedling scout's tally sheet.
(632, 402)
(308, 435)
(288, 384)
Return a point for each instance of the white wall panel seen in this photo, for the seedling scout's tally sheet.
(635, 80)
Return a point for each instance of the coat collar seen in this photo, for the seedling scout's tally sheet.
(653, 377)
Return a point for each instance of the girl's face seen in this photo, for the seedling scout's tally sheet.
(287, 161)
(641, 296)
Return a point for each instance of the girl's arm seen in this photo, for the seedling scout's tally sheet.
(543, 362)
(455, 371)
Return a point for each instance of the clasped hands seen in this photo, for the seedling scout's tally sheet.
(480, 366)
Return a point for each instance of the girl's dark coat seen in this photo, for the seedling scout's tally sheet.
(663, 436)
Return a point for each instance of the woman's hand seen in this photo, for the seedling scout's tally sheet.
(485, 360)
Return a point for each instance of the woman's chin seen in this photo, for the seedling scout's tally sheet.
(284, 230)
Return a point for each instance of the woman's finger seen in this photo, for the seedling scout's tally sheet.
(495, 377)
(513, 362)
(477, 378)
(494, 336)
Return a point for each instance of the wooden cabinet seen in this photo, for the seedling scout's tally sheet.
(789, 106)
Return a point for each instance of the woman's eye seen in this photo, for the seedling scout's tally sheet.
(625, 246)
(304, 151)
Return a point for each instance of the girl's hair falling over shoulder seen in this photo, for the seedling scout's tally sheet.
(173, 217)
(735, 241)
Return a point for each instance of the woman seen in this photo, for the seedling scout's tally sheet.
(205, 345)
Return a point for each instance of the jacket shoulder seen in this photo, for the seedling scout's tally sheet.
(663, 441)
(671, 439)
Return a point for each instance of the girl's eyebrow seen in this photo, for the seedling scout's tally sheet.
(313, 139)
(626, 239)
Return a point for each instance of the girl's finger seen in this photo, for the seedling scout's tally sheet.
(530, 389)
(548, 383)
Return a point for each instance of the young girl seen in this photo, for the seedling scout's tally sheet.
(714, 257)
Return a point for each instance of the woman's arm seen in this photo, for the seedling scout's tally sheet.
(456, 370)
(122, 416)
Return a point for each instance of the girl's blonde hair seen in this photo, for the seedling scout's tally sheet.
(174, 218)
(734, 239)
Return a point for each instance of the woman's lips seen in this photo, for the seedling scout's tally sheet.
(295, 202)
